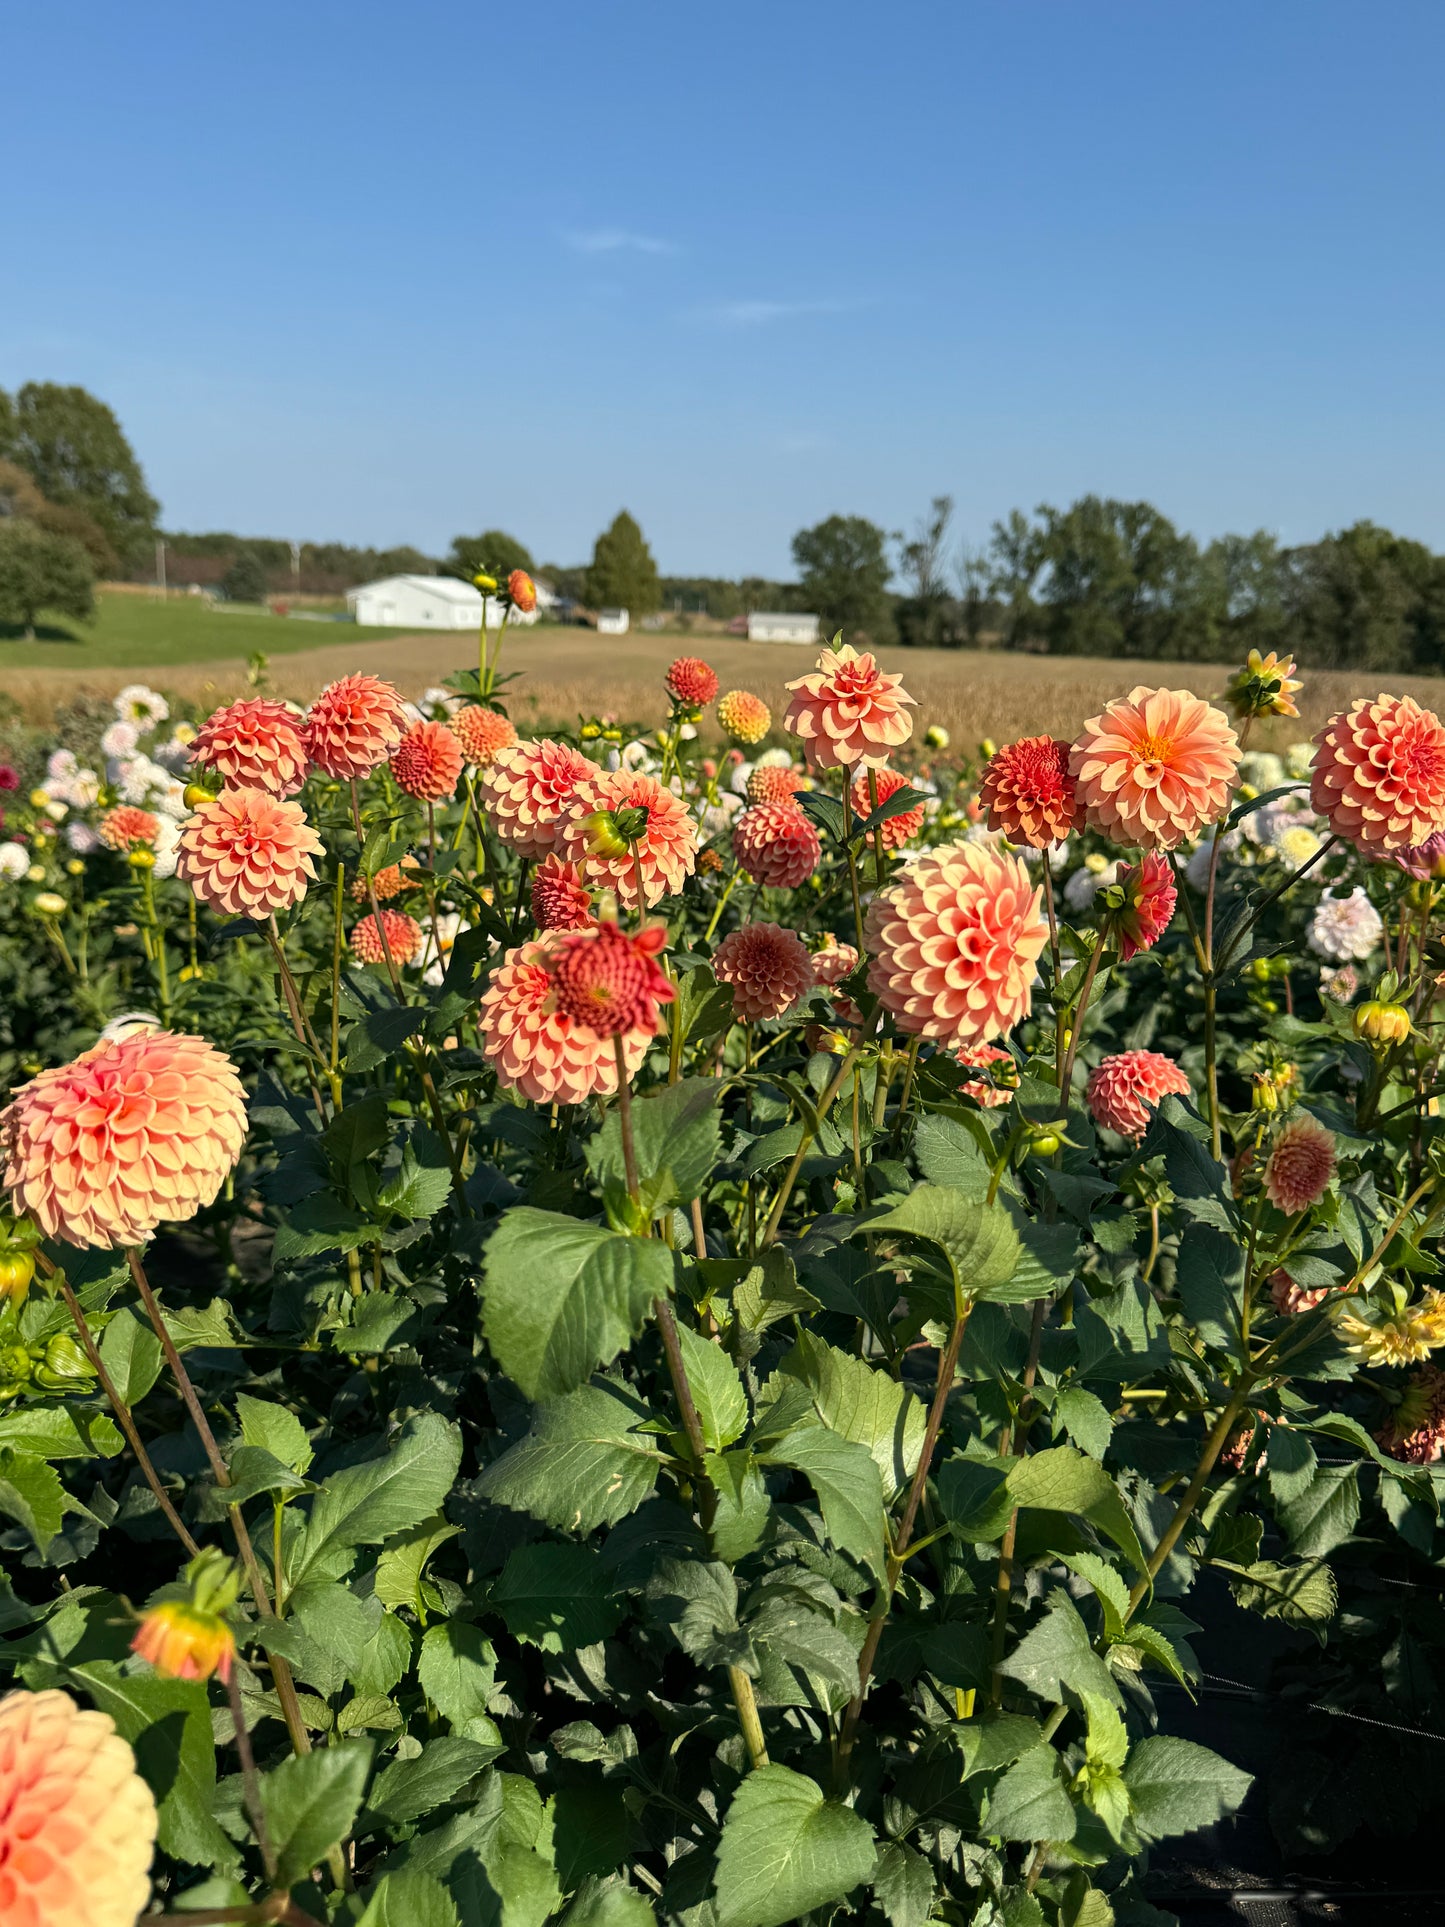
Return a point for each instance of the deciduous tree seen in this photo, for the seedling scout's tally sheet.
(76, 452)
(39, 571)
(623, 574)
(844, 567)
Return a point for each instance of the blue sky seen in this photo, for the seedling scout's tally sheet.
(381, 273)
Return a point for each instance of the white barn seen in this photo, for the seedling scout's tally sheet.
(425, 602)
(781, 627)
(613, 622)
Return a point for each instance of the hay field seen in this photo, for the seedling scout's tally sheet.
(570, 671)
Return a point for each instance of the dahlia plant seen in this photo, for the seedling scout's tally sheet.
(661, 1323)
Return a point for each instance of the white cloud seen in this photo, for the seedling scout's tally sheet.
(615, 240)
(759, 314)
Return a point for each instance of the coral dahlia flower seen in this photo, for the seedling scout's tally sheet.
(427, 762)
(1154, 767)
(1378, 776)
(126, 826)
(248, 853)
(77, 1822)
(404, 938)
(184, 1642)
(773, 783)
(745, 717)
(996, 1089)
(131, 1135)
(833, 961)
(1425, 860)
(952, 943)
(522, 591)
(1149, 894)
(534, 1048)
(527, 787)
(1300, 1165)
(1028, 793)
(1123, 1093)
(609, 980)
(897, 830)
(848, 710)
(256, 744)
(666, 847)
(768, 968)
(560, 899)
(482, 733)
(777, 845)
(353, 726)
(691, 682)
(1288, 1298)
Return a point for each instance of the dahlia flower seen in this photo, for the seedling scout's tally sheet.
(1028, 793)
(560, 899)
(848, 710)
(129, 1136)
(183, 1642)
(772, 783)
(1379, 776)
(691, 682)
(256, 744)
(1394, 1331)
(353, 726)
(983, 1090)
(1125, 1089)
(403, 938)
(527, 787)
(1154, 767)
(1339, 985)
(833, 961)
(522, 591)
(1288, 1298)
(388, 882)
(533, 1048)
(1415, 1428)
(1295, 843)
(1425, 860)
(482, 733)
(777, 845)
(1149, 894)
(248, 853)
(953, 942)
(665, 847)
(1300, 1165)
(1264, 687)
(745, 717)
(126, 826)
(427, 762)
(768, 969)
(897, 830)
(77, 1821)
(610, 981)
(143, 706)
(1345, 928)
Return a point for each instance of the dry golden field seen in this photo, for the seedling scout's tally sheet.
(572, 671)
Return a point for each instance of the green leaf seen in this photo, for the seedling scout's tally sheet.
(768, 1292)
(1063, 1480)
(311, 1803)
(1177, 1786)
(131, 1353)
(59, 1432)
(561, 1298)
(168, 1722)
(1085, 1418)
(409, 1900)
(743, 1504)
(1031, 1802)
(362, 1505)
(1325, 1513)
(978, 1240)
(1109, 1588)
(999, 1740)
(608, 1903)
(845, 1477)
(380, 1034)
(399, 1569)
(1057, 1653)
(949, 1154)
(1302, 1595)
(786, 1850)
(676, 1132)
(717, 1391)
(457, 1670)
(583, 1464)
(423, 1183)
(275, 1429)
(591, 1830)
(975, 1497)
(1209, 1276)
(903, 1885)
(809, 1643)
(319, 1223)
(1290, 1462)
(864, 1404)
(32, 1495)
(556, 1597)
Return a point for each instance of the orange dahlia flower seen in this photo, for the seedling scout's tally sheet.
(1378, 777)
(522, 591)
(1149, 894)
(691, 682)
(1124, 1091)
(833, 961)
(848, 710)
(897, 830)
(1154, 767)
(1028, 793)
(560, 899)
(387, 883)
(1300, 1165)
(248, 853)
(256, 744)
(353, 726)
(745, 717)
(609, 981)
(666, 848)
(953, 943)
(77, 1822)
(482, 733)
(184, 1642)
(536, 1050)
(773, 783)
(768, 968)
(404, 938)
(777, 845)
(125, 826)
(131, 1135)
(526, 789)
(427, 762)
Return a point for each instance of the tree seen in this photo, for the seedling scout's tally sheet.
(493, 552)
(245, 579)
(1365, 599)
(928, 617)
(75, 451)
(623, 574)
(843, 563)
(38, 571)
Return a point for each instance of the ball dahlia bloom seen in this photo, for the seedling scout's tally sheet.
(768, 969)
(482, 733)
(534, 1048)
(527, 787)
(77, 1822)
(848, 710)
(1154, 767)
(611, 981)
(777, 845)
(133, 1134)
(772, 783)
(1415, 1429)
(248, 853)
(1345, 928)
(256, 744)
(125, 827)
(404, 938)
(560, 899)
(1149, 894)
(1123, 1093)
(1300, 1165)
(1425, 860)
(996, 1089)
(427, 762)
(1378, 777)
(1288, 1298)
(522, 591)
(745, 717)
(387, 883)
(353, 726)
(897, 830)
(691, 682)
(1028, 793)
(953, 943)
(666, 847)
(833, 961)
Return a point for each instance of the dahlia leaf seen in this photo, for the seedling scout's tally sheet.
(311, 1803)
(457, 1670)
(583, 1462)
(365, 1504)
(1176, 1787)
(863, 1403)
(786, 1850)
(557, 1597)
(1031, 1801)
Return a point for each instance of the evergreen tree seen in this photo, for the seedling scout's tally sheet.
(623, 574)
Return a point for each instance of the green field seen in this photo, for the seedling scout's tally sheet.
(134, 629)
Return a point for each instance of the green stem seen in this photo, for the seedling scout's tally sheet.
(852, 857)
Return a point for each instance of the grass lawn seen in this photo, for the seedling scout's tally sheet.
(131, 630)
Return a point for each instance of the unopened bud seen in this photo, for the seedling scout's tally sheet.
(142, 859)
(604, 838)
(196, 794)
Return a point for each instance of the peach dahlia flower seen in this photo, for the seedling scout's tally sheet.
(953, 943)
(833, 961)
(427, 762)
(1154, 767)
(745, 717)
(666, 848)
(1378, 777)
(404, 938)
(248, 853)
(1300, 1165)
(482, 733)
(560, 899)
(777, 845)
(768, 969)
(533, 1048)
(610, 980)
(77, 1822)
(131, 1135)
(353, 726)
(1028, 793)
(126, 825)
(526, 788)
(897, 830)
(256, 744)
(848, 710)
(1124, 1091)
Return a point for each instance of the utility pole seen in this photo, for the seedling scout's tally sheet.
(296, 568)
(160, 568)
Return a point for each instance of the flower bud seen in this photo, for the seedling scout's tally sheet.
(935, 737)
(988, 747)
(47, 903)
(189, 1638)
(631, 822)
(38, 799)
(75, 868)
(484, 581)
(1043, 1139)
(142, 859)
(604, 838)
(1382, 1024)
(196, 794)
(1263, 687)
(17, 1268)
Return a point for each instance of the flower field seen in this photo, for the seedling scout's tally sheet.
(602, 1328)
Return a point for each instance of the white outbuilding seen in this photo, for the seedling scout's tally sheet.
(426, 602)
(612, 622)
(781, 627)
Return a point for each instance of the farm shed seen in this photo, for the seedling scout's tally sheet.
(426, 602)
(781, 627)
(612, 622)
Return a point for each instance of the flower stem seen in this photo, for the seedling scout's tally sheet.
(852, 857)
(624, 1119)
(780, 1203)
(1066, 1073)
(250, 1784)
